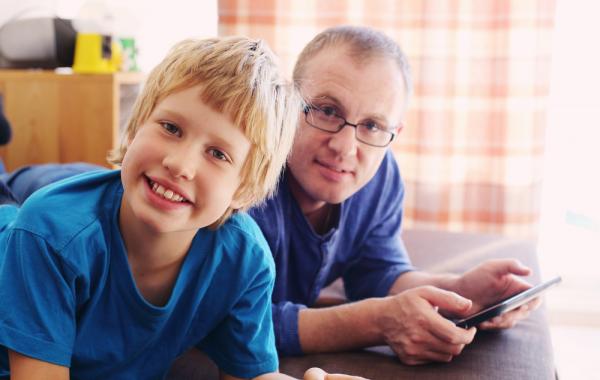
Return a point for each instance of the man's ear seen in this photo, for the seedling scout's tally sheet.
(399, 128)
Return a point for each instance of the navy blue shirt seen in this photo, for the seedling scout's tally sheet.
(364, 248)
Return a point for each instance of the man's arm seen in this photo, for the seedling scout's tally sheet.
(412, 279)
(408, 322)
(26, 368)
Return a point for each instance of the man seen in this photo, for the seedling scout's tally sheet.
(338, 213)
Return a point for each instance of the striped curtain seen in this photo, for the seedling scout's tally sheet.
(471, 153)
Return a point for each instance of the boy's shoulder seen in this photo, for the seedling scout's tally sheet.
(241, 233)
(243, 222)
(61, 210)
(244, 226)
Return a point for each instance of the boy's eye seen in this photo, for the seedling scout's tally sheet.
(219, 155)
(171, 128)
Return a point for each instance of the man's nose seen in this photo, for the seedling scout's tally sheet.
(344, 142)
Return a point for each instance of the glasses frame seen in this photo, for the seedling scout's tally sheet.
(343, 123)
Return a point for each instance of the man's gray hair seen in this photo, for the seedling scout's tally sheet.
(363, 43)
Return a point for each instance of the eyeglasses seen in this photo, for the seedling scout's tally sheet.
(327, 120)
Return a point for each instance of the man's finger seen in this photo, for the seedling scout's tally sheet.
(444, 299)
(429, 344)
(513, 266)
(534, 303)
(510, 318)
(447, 331)
(506, 320)
(444, 354)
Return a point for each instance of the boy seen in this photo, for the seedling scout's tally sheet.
(114, 274)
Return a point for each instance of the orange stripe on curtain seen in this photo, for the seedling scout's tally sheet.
(472, 152)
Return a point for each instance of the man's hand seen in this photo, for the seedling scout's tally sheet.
(413, 328)
(493, 281)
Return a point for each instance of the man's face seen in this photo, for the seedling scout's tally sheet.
(329, 168)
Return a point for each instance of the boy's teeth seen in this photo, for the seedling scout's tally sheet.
(166, 193)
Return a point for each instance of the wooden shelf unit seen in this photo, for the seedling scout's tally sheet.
(59, 117)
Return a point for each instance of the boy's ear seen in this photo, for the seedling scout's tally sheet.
(237, 203)
(241, 200)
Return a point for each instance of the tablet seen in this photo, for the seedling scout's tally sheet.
(506, 304)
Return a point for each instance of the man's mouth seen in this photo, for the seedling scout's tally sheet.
(166, 193)
(334, 168)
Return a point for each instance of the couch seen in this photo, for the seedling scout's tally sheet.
(523, 352)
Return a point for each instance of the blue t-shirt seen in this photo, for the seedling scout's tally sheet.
(364, 248)
(68, 295)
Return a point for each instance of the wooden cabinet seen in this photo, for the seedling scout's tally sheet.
(64, 117)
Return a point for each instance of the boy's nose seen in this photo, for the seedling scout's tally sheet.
(181, 163)
(344, 142)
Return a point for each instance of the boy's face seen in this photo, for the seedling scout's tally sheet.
(183, 166)
(331, 167)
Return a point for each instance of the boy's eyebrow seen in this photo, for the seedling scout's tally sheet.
(175, 116)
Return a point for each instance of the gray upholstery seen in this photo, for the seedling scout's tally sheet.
(524, 352)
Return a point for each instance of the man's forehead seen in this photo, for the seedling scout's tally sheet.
(375, 87)
(338, 64)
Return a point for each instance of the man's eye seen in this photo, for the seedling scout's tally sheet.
(219, 155)
(328, 111)
(171, 128)
(372, 127)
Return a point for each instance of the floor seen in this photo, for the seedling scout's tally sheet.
(574, 312)
(574, 305)
(576, 351)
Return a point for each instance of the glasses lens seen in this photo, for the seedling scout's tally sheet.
(372, 135)
(324, 120)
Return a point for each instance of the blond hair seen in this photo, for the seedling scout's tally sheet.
(239, 77)
(363, 43)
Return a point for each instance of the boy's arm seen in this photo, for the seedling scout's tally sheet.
(25, 368)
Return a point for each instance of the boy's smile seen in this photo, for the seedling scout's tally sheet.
(165, 195)
(182, 168)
